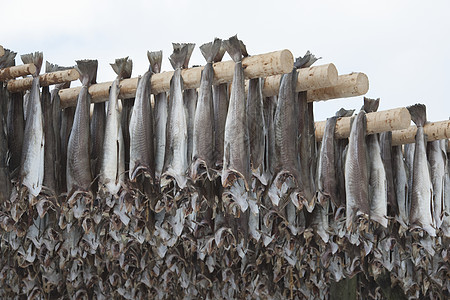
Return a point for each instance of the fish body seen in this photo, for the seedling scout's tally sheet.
(32, 165)
(400, 181)
(15, 125)
(97, 129)
(49, 180)
(269, 107)
(437, 158)
(356, 172)
(236, 159)
(78, 171)
(386, 156)
(445, 226)
(175, 157)
(141, 131)
(421, 214)
(5, 182)
(203, 137)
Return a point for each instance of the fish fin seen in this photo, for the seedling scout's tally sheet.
(220, 53)
(371, 105)
(88, 70)
(418, 114)
(49, 67)
(178, 56)
(210, 50)
(155, 59)
(122, 67)
(306, 61)
(190, 49)
(8, 59)
(234, 48)
(35, 58)
(344, 112)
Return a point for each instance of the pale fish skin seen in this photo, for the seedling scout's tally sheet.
(32, 171)
(437, 157)
(401, 185)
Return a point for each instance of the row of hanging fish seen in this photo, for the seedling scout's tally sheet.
(212, 193)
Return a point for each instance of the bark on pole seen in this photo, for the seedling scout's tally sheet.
(44, 80)
(349, 85)
(387, 120)
(434, 131)
(17, 71)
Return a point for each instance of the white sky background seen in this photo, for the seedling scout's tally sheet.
(403, 46)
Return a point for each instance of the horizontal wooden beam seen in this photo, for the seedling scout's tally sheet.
(381, 121)
(17, 71)
(44, 80)
(434, 131)
(348, 85)
(263, 65)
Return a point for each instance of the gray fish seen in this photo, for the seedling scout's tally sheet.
(327, 183)
(67, 119)
(49, 181)
(256, 127)
(386, 156)
(175, 157)
(203, 136)
(5, 182)
(408, 150)
(445, 226)
(236, 159)
(421, 214)
(78, 171)
(161, 107)
(113, 156)
(357, 173)
(32, 171)
(400, 177)
(97, 131)
(287, 159)
(15, 124)
(141, 130)
(220, 99)
(437, 158)
(270, 105)
(377, 173)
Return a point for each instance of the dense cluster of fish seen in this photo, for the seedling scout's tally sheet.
(212, 193)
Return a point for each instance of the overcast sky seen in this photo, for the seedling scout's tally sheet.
(403, 46)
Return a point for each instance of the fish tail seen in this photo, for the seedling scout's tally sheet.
(35, 58)
(235, 48)
(210, 50)
(371, 105)
(344, 112)
(418, 114)
(122, 67)
(190, 48)
(220, 53)
(8, 59)
(306, 61)
(155, 59)
(178, 56)
(49, 67)
(88, 70)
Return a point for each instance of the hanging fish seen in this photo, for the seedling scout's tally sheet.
(5, 182)
(357, 173)
(203, 137)
(437, 158)
(97, 132)
(49, 181)
(421, 215)
(400, 176)
(32, 170)
(386, 156)
(112, 167)
(445, 226)
(141, 130)
(269, 107)
(377, 173)
(175, 157)
(78, 169)
(161, 107)
(127, 107)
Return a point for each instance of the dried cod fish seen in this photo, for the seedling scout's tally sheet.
(437, 158)
(401, 185)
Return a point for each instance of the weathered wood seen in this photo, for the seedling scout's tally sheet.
(263, 65)
(2, 50)
(44, 80)
(308, 79)
(349, 85)
(387, 120)
(433, 130)
(17, 71)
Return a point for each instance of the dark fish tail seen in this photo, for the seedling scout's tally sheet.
(418, 114)
(49, 67)
(190, 48)
(88, 71)
(234, 48)
(178, 56)
(155, 59)
(344, 112)
(8, 59)
(220, 53)
(371, 105)
(210, 50)
(35, 58)
(123, 67)
(306, 61)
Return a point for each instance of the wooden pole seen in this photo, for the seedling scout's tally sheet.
(17, 71)
(433, 130)
(387, 120)
(2, 50)
(349, 85)
(263, 65)
(308, 79)
(44, 80)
